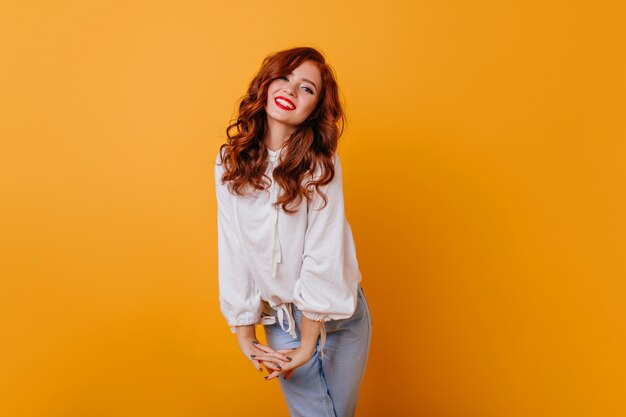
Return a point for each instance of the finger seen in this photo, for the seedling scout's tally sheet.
(264, 348)
(286, 351)
(268, 350)
(272, 366)
(257, 365)
(273, 375)
(275, 356)
(268, 359)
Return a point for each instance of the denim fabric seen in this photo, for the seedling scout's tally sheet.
(327, 387)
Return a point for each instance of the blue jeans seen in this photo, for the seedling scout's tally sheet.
(327, 387)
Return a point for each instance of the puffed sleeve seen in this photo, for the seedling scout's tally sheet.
(240, 301)
(328, 283)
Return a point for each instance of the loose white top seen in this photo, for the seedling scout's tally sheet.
(268, 258)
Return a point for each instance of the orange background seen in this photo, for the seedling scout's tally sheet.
(484, 175)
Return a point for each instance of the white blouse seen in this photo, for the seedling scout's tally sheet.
(268, 259)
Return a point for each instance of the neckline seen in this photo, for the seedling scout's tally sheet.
(274, 154)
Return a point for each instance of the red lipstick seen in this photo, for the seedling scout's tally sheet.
(284, 103)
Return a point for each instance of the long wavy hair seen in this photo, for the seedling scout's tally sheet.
(308, 150)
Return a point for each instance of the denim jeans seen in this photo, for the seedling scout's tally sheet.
(327, 387)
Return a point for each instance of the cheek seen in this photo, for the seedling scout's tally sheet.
(273, 86)
(270, 98)
(310, 105)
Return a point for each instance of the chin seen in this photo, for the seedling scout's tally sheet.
(279, 117)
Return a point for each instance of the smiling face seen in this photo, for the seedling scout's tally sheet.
(292, 97)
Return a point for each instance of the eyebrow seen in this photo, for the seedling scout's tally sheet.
(307, 80)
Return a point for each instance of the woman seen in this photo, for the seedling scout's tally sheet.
(286, 252)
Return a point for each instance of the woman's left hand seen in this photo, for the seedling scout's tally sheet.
(295, 358)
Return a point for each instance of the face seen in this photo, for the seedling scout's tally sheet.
(292, 97)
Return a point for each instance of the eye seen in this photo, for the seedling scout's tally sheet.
(307, 89)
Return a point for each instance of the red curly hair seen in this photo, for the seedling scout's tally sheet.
(310, 147)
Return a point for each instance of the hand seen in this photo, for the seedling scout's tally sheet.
(272, 358)
(247, 348)
(246, 334)
(296, 357)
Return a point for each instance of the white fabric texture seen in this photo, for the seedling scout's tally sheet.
(268, 258)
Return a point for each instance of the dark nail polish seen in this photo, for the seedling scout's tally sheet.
(253, 356)
(294, 348)
(254, 342)
(279, 368)
(288, 358)
(265, 377)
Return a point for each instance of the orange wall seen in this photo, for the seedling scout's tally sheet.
(484, 174)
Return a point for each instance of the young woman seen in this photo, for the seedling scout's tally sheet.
(286, 253)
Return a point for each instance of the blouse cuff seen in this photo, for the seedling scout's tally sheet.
(316, 316)
(233, 327)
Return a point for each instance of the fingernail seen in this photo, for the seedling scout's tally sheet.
(254, 342)
(253, 356)
(265, 376)
(288, 358)
(279, 368)
(294, 348)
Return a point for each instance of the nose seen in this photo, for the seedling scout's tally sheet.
(289, 89)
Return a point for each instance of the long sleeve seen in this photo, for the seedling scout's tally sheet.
(328, 282)
(240, 301)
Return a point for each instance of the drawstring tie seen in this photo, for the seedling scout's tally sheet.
(322, 340)
(283, 310)
(276, 250)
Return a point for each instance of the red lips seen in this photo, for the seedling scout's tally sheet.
(282, 106)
